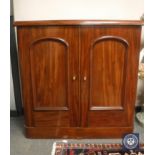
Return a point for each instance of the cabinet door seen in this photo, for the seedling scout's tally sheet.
(49, 65)
(109, 64)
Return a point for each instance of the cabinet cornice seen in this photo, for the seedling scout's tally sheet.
(78, 22)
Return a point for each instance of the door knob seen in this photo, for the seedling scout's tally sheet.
(74, 78)
(84, 78)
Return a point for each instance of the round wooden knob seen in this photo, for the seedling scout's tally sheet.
(84, 78)
(74, 78)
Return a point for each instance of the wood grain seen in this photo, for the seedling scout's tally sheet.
(108, 57)
(51, 119)
(78, 78)
(78, 133)
(47, 67)
(78, 22)
(111, 70)
(49, 72)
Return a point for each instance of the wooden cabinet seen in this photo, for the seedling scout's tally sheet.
(78, 77)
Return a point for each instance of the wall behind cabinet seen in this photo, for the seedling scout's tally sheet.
(12, 97)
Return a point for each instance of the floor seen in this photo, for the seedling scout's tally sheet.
(19, 145)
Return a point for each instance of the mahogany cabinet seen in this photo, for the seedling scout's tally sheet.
(78, 78)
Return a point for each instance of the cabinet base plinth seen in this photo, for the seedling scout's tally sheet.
(79, 133)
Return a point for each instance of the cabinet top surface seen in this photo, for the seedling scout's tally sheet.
(78, 22)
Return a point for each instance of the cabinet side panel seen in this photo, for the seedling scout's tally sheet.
(25, 79)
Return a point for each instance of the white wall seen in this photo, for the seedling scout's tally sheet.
(77, 9)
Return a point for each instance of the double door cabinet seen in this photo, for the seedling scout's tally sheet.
(78, 78)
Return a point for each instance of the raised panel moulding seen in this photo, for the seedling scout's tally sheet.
(112, 84)
(48, 56)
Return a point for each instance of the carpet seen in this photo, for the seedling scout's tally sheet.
(94, 149)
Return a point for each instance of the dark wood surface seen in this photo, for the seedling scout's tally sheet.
(109, 60)
(48, 66)
(78, 22)
(80, 133)
(79, 82)
(49, 72)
